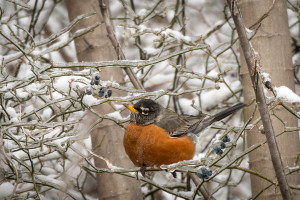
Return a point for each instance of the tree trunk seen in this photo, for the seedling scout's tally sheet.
(107, 137)
(272, 42)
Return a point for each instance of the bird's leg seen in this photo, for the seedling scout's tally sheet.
(137, 175)
(188, 181)
(174, 174)
(143, 169)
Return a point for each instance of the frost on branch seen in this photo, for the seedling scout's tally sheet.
(285, 94)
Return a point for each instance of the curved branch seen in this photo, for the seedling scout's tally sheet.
(111, 35)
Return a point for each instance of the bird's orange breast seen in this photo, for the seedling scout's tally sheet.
(152, 146)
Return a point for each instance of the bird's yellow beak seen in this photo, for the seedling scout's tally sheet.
(131, 108)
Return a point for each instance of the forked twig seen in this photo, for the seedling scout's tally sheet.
(111, 35)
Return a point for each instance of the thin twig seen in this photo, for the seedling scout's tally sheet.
(202, 190)
(111, 35)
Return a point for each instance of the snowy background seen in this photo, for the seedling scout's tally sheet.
(43, 101)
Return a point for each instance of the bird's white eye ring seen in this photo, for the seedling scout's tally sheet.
(144, 109)
(144, 113)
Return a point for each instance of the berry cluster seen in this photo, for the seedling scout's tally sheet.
(204, 173)
(218, 148)
(103, 92)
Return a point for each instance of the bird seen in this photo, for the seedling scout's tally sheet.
(156, 135)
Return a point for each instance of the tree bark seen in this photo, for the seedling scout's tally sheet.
(107, 137)
(272, 42)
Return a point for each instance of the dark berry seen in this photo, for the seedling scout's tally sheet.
(226, 139)
(200, 175)
(204, 170)
(223, 145)
(97, 82)
(88, 91)
(268, 84)
(97, 77)
(205, 173)
(102, 91)
(109, 93)
(209, 172)
(218, 150)
(29, 119)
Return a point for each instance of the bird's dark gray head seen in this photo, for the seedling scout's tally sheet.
(144, 112)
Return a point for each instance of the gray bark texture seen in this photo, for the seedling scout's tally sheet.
(107, 137)
(272, 42)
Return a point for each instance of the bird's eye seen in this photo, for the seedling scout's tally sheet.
(145, 111)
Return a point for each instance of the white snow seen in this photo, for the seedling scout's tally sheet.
(5, 189)
(51, 179)
(15, 120)
(48, 171)
(249, 33)
(151, 50)
(142, 12)
(211, 98)
(176, 34)
(11, 111)
(28, 109)
(186, 106)
(65, 83)
(62, 142)
(265, 76)
(142, 28)
(89, 100)
(47, 113)
(213, 74)
(22, 95)
(116, 115)
(285, 94)
(170, 15)
(51, 156)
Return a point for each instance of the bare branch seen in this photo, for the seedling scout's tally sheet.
(111, 35)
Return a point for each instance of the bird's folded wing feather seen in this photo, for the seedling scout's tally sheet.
(177, 125)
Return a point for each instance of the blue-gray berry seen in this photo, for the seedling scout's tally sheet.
(102, 91)
(29, 119)
(223, 145)
(97, 77)
(226, 139)
(205, 173)
(218, 150)
(109, 93)
(88, 91)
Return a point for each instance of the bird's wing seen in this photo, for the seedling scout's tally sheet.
(177, 125)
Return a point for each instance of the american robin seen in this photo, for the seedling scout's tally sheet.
(157, 135)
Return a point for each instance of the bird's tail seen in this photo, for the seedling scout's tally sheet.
(219, 116)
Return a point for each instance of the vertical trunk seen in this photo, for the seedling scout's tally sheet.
(107, 137)
(272, 42)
